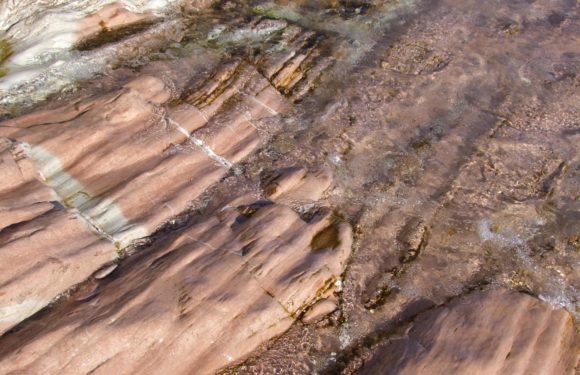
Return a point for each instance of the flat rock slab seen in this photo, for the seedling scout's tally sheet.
(209, 298)
(117, 166)
(86, 179)
(495, 332)
(44, 249)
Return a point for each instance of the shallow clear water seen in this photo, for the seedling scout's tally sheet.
(451, 129)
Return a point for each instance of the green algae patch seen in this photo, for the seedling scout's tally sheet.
(275, 11)
(107, 35)
(5, 52)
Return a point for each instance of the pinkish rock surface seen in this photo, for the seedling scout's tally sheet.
(108, 18)
(210, 296)
(494, 332)
(292, 187)
(319, 310)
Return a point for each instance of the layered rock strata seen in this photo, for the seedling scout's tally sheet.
(195, 206)
(126, 161)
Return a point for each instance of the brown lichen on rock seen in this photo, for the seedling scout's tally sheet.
(328, 238)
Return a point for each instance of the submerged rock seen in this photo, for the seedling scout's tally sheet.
(331, 187)
(494, 332)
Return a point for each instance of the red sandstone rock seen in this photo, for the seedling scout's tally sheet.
(44, 250)
(319, 310)
(108, 18)
(124, 163)
(208, 298)
(440, 183)
(296, 184)
(496, 332)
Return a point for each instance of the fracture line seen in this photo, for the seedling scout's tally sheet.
(258, 101)
(201, 144)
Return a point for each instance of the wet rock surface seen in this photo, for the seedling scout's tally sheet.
(462, 338)
(295, 187)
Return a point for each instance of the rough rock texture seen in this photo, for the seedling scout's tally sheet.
(295, 187)
(111, 160)
(319, 310)
(127, 161)
(210, 296)
(495, 332)
(296, 184)
(39, 240)
(107, 19)
(87, 179)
